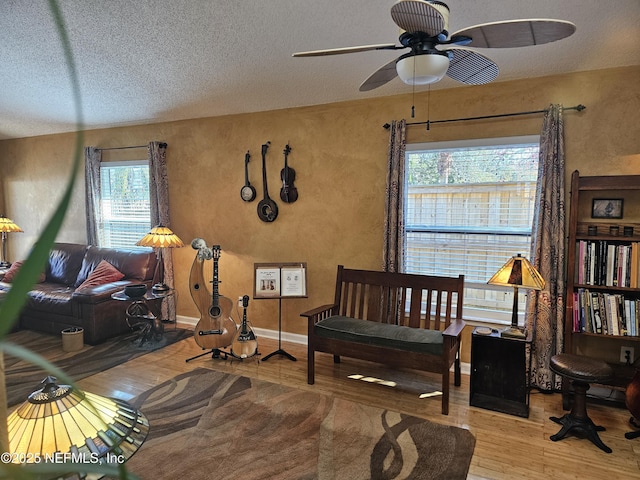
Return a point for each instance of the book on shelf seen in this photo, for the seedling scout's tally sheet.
(608, 263)
(605, 313)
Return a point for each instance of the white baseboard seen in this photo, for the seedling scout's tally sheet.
(465, 368)
(260, 332)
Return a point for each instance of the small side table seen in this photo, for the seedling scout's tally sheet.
(500, 369)
(140, 316)
(3, 270)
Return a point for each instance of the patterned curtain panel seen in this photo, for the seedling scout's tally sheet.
(545, 309)
(92, 159)
(393, 252)
(159, 193)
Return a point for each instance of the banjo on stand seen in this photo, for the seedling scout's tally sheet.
(245, 343)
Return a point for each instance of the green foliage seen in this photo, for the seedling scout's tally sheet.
(472, 165)
(128, 184)
(16, 297)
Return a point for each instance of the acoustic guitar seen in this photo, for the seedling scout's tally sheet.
(216, 328)
(244, 344)
(267, 208)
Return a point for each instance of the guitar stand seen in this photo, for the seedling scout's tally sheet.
(634, 434)
(257, 356)
(216, 353)
(280, 351)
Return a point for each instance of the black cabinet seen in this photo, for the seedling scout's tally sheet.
(499, 379)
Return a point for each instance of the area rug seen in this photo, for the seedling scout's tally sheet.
(209, 424)
(22, 378)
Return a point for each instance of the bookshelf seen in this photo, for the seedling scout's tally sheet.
(603, 272)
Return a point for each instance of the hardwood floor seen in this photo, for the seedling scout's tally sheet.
(507, 447)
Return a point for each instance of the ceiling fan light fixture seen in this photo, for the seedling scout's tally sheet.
(422, 69)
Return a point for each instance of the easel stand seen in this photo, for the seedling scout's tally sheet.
(216, 353)
(280, 280)
(280, 350)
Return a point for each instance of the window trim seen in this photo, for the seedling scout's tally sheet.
(470, 143)
(125, 163)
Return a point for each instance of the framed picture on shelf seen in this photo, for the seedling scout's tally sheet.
(607, 208)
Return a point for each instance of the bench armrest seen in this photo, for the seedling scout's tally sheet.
(321, 312)
(454, 329)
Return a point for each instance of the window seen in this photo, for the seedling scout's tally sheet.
(469, 207)
(125, 203)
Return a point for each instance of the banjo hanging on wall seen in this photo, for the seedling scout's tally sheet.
(247, 192)
(267, 208)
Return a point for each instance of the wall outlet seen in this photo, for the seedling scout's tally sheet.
(239, 301)
(627, 357)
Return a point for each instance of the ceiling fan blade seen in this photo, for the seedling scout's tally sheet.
(470, 67)
(339, 51)
(517, 33)
(420, 16)
(381, 76)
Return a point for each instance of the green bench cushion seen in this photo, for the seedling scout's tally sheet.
(381, 334)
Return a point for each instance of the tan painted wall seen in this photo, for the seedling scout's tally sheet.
(339, 153)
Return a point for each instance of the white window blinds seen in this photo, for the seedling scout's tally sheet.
(469, 207)
(125, 201)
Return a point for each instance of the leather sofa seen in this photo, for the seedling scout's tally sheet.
(57, 303)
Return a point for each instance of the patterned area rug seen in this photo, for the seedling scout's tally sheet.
(208, 424)
(22, 378)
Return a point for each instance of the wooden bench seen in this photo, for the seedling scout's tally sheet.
(382, 317)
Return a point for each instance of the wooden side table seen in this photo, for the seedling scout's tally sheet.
(500, 369)
(3, 270)
(140, 316)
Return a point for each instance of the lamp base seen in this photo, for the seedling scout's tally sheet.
(512, 332)
(160, 288)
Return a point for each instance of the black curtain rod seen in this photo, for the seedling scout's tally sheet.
(163, 145)
(428, 123)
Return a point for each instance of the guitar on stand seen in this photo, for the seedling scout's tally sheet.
(215, 329)
(244, 344)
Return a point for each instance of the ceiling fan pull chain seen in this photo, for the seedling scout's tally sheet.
(413, 93)
(428, 106)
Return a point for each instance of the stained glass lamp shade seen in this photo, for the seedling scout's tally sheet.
(59, 419)
(6, 226)
(160, 237)
(517, 272)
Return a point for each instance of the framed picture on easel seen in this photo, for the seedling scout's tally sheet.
(280, 280)
(267, 282)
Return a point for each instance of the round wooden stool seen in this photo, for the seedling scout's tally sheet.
(581, 371)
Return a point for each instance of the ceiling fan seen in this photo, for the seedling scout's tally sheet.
(433, 52)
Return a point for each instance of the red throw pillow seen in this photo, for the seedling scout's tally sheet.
(103, 273)
(13, 270)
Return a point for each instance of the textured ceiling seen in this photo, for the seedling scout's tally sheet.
(148, 61)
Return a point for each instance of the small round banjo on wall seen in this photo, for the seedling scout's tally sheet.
(247, 193)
